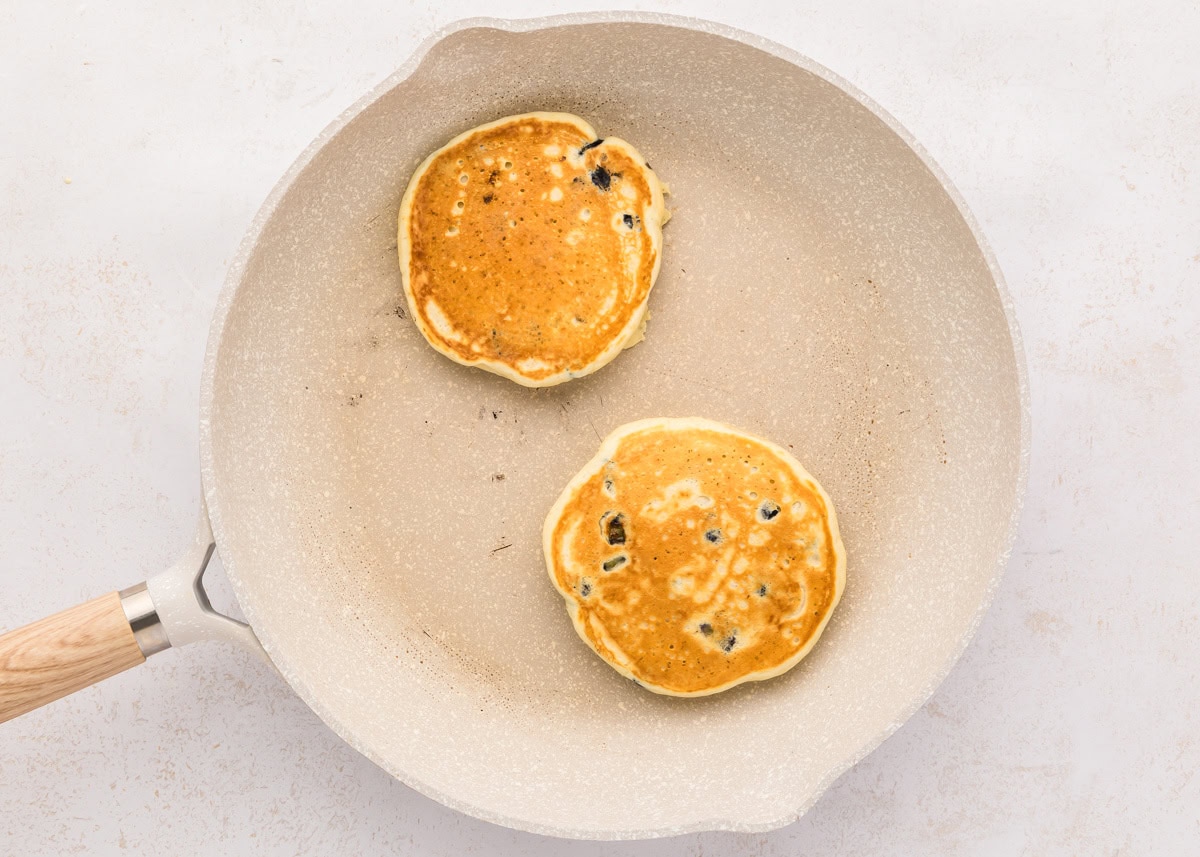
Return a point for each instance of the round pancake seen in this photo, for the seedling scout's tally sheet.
(528, 247)
(694, 557)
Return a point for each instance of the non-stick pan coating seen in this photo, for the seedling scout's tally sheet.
(378, 507)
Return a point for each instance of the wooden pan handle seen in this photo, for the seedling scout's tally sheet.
(64, 653)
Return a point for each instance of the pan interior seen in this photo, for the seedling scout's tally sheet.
(379, 507)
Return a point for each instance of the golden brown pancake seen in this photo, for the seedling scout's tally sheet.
(528, 247)
(694, 557)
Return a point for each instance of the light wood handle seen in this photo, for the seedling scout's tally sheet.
(64, 653)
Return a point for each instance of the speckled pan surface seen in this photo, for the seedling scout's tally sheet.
(378, 508)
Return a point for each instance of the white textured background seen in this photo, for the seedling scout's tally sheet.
(136, 142)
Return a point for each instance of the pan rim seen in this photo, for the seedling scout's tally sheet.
(236, 272)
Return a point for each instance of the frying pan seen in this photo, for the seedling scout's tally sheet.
(377, 507)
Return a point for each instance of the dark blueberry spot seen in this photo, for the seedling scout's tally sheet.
(577, 180)
(706, 629)
(487, 197)
(585, 588)
(761, 591)
(713, 536)
(608, 485)
(627, 219)
(615, 562)
(602, 178)
(728, 643)
(591, 145)
(768, 509)
(614, 528)
(493, 176)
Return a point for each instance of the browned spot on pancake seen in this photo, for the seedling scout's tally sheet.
(730, 556)
(521, 251)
